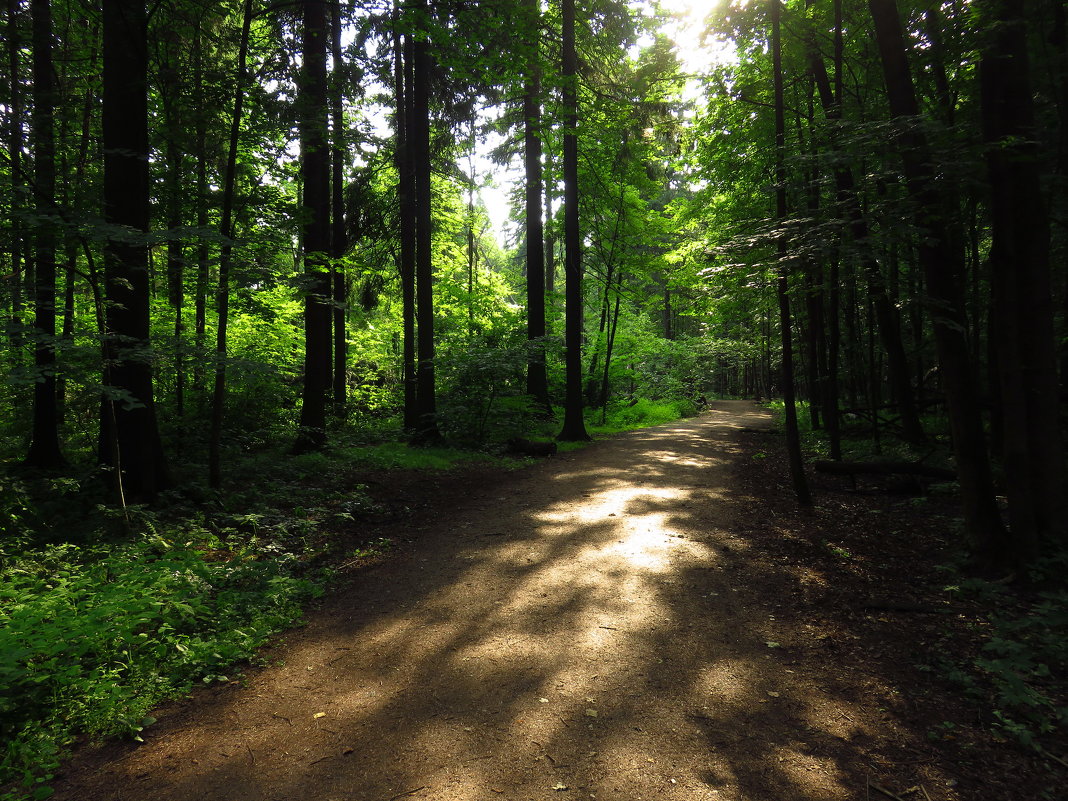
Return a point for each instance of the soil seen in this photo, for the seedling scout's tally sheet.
(649, 617)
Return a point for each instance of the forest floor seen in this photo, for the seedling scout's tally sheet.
(650, 617)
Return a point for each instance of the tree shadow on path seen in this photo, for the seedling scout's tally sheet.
(594, 627)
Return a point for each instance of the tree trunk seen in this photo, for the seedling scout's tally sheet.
(130, 439)
(1021, 288)
(793, 436)
(312, 102)
(44, 449)
(14, 154)
(200, 293)
(537, 380)
(170, 97)
(574, 429)
(222, 295)
(550, 246)
(338, 239)
(426, 398)
(403, 58)
(942, 260)
(830, 396)
(599, 340)
(608, 349)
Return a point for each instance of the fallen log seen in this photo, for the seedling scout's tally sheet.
(886, 468)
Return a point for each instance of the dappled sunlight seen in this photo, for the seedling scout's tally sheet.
(724, 683)
(814, 777)
(585, 633)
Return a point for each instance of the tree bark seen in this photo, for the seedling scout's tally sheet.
(403, 57)
(426, 398)
(1021, 288)
(14, 153)
(537, 380)
(130, 439)
(222, 295)
(170, 94)
(574, 428)
(338, 239)
(793, 437)
(312, 102)
(44, 451)
(200, 293)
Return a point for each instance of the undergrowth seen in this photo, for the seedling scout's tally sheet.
(92, 637)
(1020, 670)
(1018, 673)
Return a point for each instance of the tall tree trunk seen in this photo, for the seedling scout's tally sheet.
(550, 246)
(73, 184)
(130, 439)
(14, 154)
(537, 379)
(793, 436)
(222, 295)
(600, 340)
(403, 57)
(942, 259)
(469, 224)
(1022, 289)
(338, 240)
(608, 349)
(313, 102)
(200, 294)
(170, 97)
(574, 429)
(834, 336)
(44, 449)
(426, 398)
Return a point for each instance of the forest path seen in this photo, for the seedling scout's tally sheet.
(592, 627)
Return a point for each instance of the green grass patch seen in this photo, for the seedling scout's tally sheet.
(620, 417)
(401, 456)
(94, 637)
(641, 414)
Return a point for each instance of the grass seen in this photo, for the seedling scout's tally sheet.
(641, 414)
(94, 636)
(621, 417)
(401, 456)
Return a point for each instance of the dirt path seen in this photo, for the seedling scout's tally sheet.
(593, 627)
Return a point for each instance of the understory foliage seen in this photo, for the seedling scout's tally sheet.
(102, 623)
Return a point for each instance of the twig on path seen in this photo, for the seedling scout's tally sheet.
(925, 793)
(1054, 757)
(884, 791)
(610, 628)
(406, 792)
